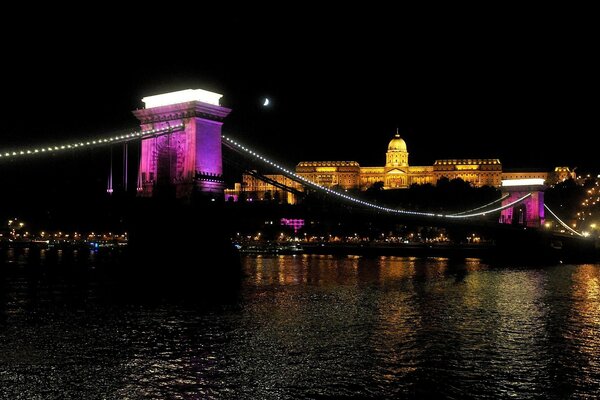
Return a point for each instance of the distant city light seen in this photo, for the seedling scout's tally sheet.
(182, 96)
(522, 182)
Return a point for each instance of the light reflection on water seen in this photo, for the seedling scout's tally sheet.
(304, 326)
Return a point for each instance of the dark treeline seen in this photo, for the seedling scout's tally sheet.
(447, 196)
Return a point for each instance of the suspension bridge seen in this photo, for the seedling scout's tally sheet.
(181, 145)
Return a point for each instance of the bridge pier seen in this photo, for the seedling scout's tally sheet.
(184, 161)
(530, 212)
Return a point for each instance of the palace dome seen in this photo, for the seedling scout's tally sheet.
(397, 144)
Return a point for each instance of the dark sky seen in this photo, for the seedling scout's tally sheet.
(520, 87)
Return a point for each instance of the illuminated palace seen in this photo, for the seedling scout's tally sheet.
(396, 174)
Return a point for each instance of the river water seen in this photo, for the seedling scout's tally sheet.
(313, 327)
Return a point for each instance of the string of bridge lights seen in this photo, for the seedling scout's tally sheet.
(101, 141)
(303, 180)
(513, 203)
(484, 206)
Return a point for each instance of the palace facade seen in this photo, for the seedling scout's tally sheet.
(395, 174)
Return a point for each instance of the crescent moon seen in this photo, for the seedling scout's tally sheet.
(266, 103)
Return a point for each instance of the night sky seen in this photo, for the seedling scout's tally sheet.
(519, 86)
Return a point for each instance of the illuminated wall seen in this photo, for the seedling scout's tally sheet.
(186, 161)
(343, 174)
(371, 175)
(420, 175)
(479, 172)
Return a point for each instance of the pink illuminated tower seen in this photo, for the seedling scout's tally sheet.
(529, 212)
(187, 160)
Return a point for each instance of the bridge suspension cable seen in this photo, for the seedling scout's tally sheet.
(87, 143)
(566, 226)
(482, 213)
(483, 206)
(257, 156)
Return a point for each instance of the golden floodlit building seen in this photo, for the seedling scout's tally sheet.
(395, 174)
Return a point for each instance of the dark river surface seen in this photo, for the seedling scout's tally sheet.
(313, 327)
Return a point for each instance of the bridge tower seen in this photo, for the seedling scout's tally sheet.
(528, 213)
(186, 160)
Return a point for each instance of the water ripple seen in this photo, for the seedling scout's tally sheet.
(308, 327)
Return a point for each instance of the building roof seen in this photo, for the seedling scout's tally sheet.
(468, 161)
(328, 164)
(397, 144)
